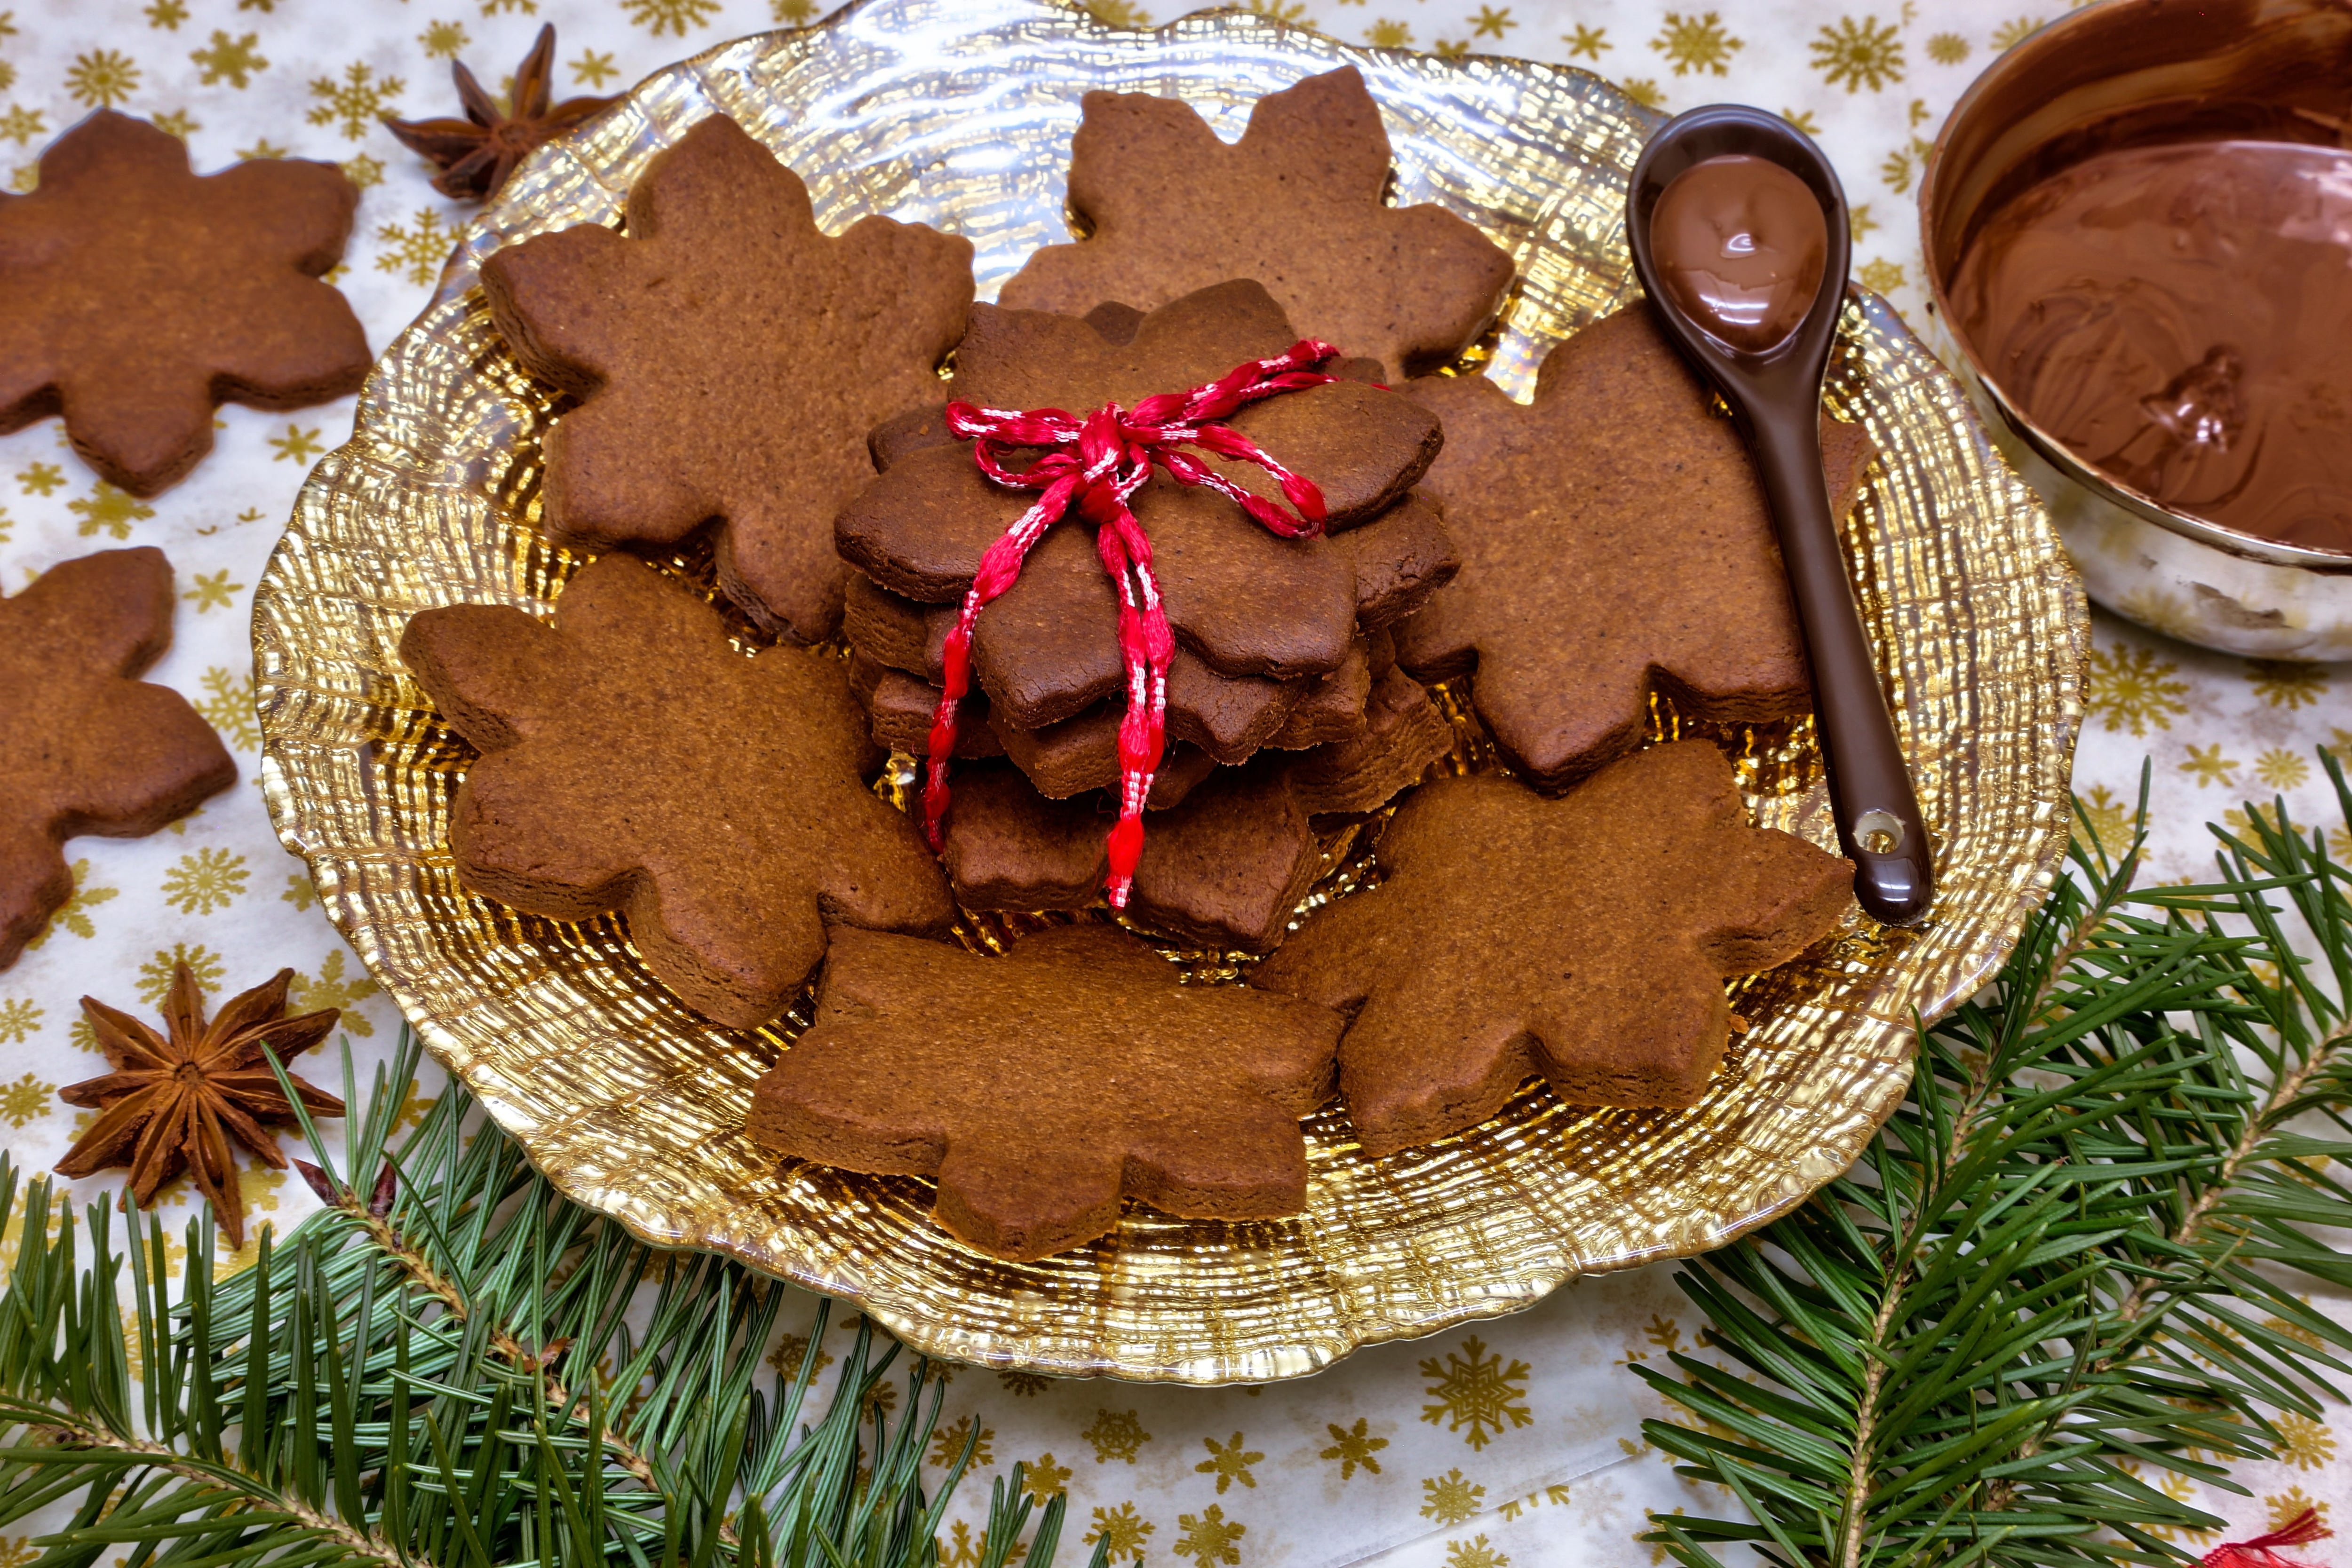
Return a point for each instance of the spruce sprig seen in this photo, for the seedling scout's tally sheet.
(2065, 1266)
(2065, 1269)
(442, 1371)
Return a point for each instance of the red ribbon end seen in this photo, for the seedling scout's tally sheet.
(2302, 1528)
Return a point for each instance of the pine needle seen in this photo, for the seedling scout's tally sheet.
(2063, 1273)
(438, 1369)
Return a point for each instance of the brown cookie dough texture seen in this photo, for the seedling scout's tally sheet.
(1225, 865)
(1300, 202)
(1614, 541)
(1585, 939)
(1041, 1087)
(1227, 719)
(731, 359)
(633, 759)
(85, 745)
(136, 297)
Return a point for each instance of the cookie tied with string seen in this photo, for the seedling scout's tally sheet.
(1211, 502)
(730, 357)
(1614, 541)
(633, 759)
(1042, 1087)
(136, 296)
(1584, 939)
(1299, 201)
(1243, 600)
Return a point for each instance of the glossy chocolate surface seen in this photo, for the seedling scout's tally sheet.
(2179, 315)
(1740, 244)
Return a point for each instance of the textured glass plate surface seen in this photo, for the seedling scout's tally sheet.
(959, 115)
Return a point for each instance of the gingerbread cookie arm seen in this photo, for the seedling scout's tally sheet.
(489, 669)
(1651, 1036)
(1403, 558)
(138, 435)
(111, 611)
(1846, 454)
(305, 357)
(1129, 149)
(300, 207)
(1181, 1171)
(565, 303)
(130, 757)
(1776, 895)
(28, 374)
(1228, 865)
(1439, 641)
(1327, 131)
(1048, 648)
(1245, 599)
(561, 301)
(735, 949)
(31, 358)
(567, 864)
(1556, 725)
(819, 1100)
(34, 881)
(1004, 1200)
(1363, 446)
(1402, 735)
(84, 747)
(148, 760)
(1008, 848)
(297, 343)
(920, 529)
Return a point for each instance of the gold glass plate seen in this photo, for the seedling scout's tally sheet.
(959, 115)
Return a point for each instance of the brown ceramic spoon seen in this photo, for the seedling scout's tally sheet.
(1775, 395)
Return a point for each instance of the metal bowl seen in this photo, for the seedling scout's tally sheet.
(2119, 73)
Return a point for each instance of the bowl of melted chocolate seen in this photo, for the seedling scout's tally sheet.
(2138, 231)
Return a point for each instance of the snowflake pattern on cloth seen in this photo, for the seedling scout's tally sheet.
(1511, 1442)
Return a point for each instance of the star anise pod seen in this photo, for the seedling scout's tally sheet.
(173, 1101)
(477, 154)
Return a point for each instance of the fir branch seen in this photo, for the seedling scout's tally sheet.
(2060, 1264)
(444, 1374)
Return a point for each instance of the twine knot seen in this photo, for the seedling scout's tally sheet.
(1092, 467)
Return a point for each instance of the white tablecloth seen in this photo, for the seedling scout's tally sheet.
(1516, 1441)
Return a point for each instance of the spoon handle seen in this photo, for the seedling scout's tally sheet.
(1870, 796)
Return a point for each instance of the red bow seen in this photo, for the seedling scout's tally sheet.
(1094, 466)
(2257, 1553)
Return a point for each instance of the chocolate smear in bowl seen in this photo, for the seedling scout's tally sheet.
(2176, 315)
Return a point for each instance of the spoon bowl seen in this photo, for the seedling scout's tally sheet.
(1775, 395)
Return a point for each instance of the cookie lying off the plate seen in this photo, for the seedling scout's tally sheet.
(1042, 1087)
(86, 746)
(1585, 939)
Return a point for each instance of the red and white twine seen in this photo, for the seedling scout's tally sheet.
(2261, 1551)
(1092, 466)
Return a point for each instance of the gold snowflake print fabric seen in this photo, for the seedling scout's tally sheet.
(1469, 1446)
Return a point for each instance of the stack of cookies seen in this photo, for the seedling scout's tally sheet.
(1284, 698)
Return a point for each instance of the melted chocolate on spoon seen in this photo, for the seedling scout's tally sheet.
(1740, 244)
